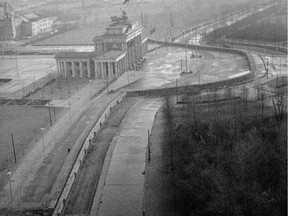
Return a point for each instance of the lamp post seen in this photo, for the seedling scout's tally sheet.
(16, 59)
(267, 66)
(90, 87)
(181, 67)
(13, 145)
(186, 56)
(57, 43)
(77, 90)
(43, 144)
(280, 66)
(69, 101)
(199, 76)
(176, 92)
(107, 83)
(9, 176)
(49, 110)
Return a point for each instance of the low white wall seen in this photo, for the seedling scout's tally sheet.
(20, 93)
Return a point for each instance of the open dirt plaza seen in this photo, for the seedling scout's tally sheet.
(23, 71)
(27, 124)
(163, 68)
(30, 67)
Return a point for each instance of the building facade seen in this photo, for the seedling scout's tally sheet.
(33, 25)
(119, 49)
(17, 26)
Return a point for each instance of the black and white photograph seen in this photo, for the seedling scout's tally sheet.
(143, 107)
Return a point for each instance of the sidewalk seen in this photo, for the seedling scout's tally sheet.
(120, 189)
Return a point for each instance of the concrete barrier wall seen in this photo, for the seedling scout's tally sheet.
(155, 48)
(269, 46)
(62, 200)
(192, 89)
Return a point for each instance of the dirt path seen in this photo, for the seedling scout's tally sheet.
(158, 191)
(82, 193)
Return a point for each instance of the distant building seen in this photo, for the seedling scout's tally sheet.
(119, 49)
(17, 26)
(7, 22)
(33, 25)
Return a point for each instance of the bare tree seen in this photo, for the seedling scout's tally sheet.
(244, 95)
(280, 106)
(262, 98)
(228, 94)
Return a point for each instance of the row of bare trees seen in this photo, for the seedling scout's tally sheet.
(254, 28)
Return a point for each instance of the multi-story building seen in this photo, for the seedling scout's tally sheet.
(17, 26)
(7, 22)
(33, 25)
(119, 49)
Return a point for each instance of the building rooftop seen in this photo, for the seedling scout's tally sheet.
(31, 17)
(111, 55)
(75, 55)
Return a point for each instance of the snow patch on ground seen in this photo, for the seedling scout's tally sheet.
(239, 74)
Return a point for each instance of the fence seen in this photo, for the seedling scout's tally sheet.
(62, 200)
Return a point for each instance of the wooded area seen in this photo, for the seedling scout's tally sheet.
(263, 26)
(227, 155)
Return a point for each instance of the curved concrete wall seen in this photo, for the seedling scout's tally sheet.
(90, 135)
(269, 46)
(155, 48)
(195, 89)
(242, 53)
